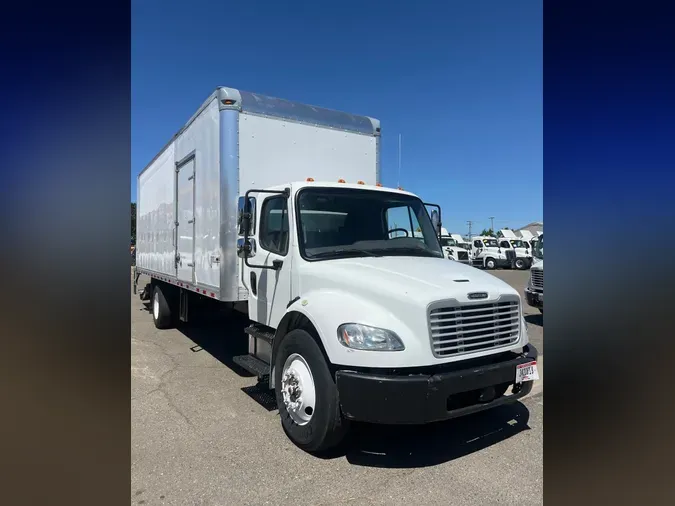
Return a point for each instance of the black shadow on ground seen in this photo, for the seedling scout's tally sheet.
(535, 319)
(220, 334)
(413, 446)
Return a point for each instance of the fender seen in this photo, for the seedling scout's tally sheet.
(326, 310)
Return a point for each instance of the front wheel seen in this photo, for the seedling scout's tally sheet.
(306, 394)
(520, 264)
(490, 263)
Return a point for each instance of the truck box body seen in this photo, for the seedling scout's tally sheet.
(188, 194)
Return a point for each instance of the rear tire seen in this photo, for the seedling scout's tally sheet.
(161, 311)
(309, 406)
(490, 263)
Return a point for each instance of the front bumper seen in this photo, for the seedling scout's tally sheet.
(428, 397)
(534, 298)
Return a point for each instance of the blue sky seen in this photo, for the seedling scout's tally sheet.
(460, 81)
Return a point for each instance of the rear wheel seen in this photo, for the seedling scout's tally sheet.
(161, 310)
(306, 394)
(490, 263)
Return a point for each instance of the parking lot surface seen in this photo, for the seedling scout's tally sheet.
(198, 437)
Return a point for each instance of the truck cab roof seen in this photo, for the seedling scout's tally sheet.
(299, 185)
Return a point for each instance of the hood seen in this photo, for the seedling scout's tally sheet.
(416, 279)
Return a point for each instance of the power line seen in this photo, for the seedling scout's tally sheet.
(470, 223)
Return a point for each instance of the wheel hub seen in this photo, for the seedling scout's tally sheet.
(297, 389)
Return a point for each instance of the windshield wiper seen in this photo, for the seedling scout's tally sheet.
(343, 251)
(409, 249)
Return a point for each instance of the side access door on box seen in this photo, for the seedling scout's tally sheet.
(185, 218)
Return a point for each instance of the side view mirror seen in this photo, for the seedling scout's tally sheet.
(245, 249)
(246, 215)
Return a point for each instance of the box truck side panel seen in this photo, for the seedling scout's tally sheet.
(197, 155)
(274, 151)
(155, 249)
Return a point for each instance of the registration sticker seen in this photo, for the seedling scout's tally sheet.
(527, 372)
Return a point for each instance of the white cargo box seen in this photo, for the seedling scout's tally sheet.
(188, 194)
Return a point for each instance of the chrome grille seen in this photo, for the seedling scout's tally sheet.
(460, 329)
(537, 278)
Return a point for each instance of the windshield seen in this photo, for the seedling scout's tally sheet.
(538, 248)
(517, 243)
(342, 223)
(490, 243)
(448, 241)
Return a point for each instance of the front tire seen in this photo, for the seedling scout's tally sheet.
(520, 264)
(161, 311)
(490, 263)
(309, 406)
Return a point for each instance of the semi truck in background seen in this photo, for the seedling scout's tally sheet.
(527, 237)
(461, 242)
(453, 249)
(534, 291)
(486, 253)
(509, 241)
(275, 209)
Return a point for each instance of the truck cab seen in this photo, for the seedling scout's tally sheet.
(486, 253)
(521, 256)
(357, 312)
(534, 291)
(454, 250)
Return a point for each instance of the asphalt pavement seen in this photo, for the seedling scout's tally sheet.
(200, 437)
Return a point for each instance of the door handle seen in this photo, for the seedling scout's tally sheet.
(190, 264)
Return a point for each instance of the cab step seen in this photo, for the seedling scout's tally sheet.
(253, 365)
(260, 332)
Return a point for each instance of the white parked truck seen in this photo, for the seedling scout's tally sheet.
(274, 208)
(522, 258)
(453, 249)
(534, 291)
(528, 238)
(486, 253)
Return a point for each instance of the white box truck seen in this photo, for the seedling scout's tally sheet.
(275, 209)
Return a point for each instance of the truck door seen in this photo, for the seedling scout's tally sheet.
(185, 223)
(270, 289)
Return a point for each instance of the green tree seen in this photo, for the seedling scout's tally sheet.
(488, 232)
(133, 222)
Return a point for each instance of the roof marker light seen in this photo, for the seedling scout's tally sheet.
(379, 184)
(310, 179)
(341, 181)
(400, 188)
(228, 101)
(360, 182)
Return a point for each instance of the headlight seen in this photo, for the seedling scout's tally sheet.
(363, 337)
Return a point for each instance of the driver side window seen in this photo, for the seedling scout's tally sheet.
(402, 222)
(477, 244)
(505, 244)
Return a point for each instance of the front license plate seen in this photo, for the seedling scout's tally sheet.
(527, 372)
